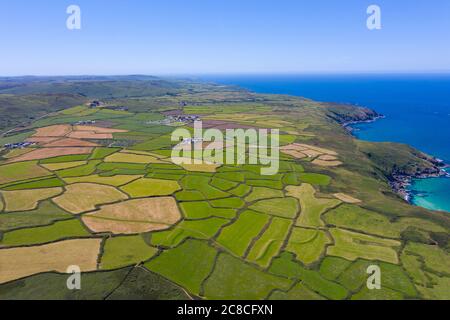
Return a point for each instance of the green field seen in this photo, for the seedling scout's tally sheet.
(245, 228)
(201, 210)
(307, 244)
(286, 266)
(312, 207)
(270, 242)
(351, 246)
(234, 279)
(187, 265)
(45, 214)
(299, 292)
(259, 193)
(121, 252)
(200, 229)
(393, 278)
(281, 207)
(21, 171)
(57, 231)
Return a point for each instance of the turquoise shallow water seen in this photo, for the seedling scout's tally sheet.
(431, 193)
(417, 110)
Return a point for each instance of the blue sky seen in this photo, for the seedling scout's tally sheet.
(223, 36)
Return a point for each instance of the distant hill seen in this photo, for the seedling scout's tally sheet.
(23, 99)
(89, 86)
(18, 109)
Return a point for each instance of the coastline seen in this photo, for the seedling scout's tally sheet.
(348, 125)
(401, 181)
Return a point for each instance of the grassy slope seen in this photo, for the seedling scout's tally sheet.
(20, 109)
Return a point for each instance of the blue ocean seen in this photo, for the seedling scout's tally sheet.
(416, 106)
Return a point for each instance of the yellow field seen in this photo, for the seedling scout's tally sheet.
(59, 130)
(324, 163)
(204, 167)
(312, 207)
(44, 153)
(63, 165)
(24, 200)
(132, 158)
(145, 153)
(69, 142)
(84, 197)
(134, 216)
(295, 154)
(322, 157)
(17, 152)
(115, 181)
(346, 198)
(90, 135)
(98, 129)
(151, 187)
(18, 263)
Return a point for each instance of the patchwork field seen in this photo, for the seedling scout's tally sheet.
(98, 189)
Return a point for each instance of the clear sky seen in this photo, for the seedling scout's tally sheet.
(223, 36)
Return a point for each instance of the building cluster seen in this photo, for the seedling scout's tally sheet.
(185, 118)
(95, 104)
(84, 122)
(18, 145)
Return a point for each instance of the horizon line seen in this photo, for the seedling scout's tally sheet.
(191, 74)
